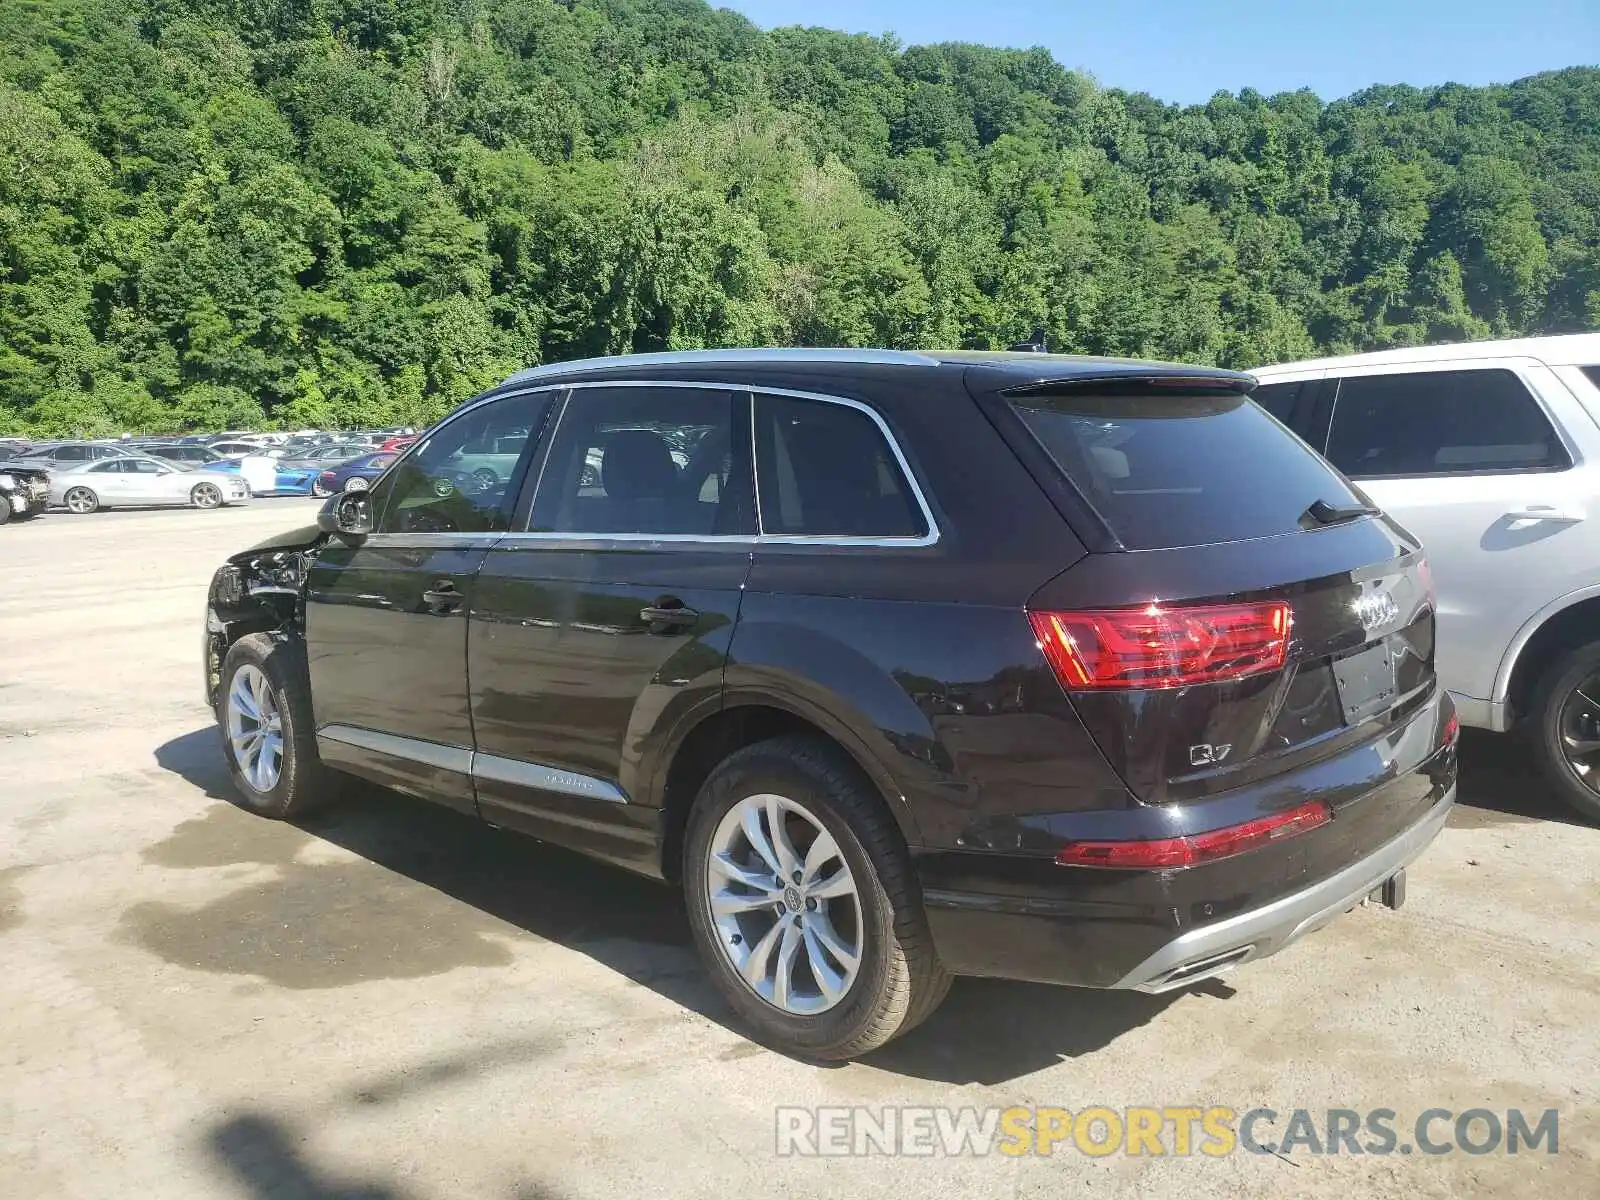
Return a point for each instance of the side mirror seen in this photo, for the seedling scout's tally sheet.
(347, 516)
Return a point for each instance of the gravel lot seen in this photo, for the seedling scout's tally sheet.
(393, 1001)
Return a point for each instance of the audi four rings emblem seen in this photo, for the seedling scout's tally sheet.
(1375, 609)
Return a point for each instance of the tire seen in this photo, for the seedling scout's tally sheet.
(206, 495)
(1548, 708)
(301, 784)
(356, 484)
(319, 490)
(81, 500)
(899, 980)
(5, 510)
(486, 478)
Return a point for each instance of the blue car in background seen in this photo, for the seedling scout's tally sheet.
(355, 475)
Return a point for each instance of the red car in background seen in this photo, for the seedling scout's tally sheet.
(395, 444)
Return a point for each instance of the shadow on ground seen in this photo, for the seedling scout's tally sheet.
(268, 1159)
(323, 919)
(1501, 786)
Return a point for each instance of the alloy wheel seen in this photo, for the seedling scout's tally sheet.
(206, 495)
(356, 484)
(81, 500)
(784, 904)
(255, 728)
(1579, 724)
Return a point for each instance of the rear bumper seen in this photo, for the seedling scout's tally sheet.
(1210, 951)
(1022, 916)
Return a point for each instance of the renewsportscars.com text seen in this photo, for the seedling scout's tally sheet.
(1181, 1130)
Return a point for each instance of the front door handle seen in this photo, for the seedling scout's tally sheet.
(443, 598)
(664, 615)
(1546, 512)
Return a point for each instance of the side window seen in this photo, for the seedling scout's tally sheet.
(72, 454)
(1279, 399)
(1440, 423)
(113, 466)
(448, 484)
(140, 466)
(648, 460)
(826, 471)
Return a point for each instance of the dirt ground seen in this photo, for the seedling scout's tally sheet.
(395, 1002)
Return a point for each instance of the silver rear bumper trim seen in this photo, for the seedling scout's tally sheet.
(1215, 949)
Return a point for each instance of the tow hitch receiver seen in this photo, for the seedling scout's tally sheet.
(1391, 893)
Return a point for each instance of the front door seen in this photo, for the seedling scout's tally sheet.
(610, 615)
(386, 621)
(1469, 460)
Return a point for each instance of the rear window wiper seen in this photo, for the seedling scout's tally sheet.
(1320, 512)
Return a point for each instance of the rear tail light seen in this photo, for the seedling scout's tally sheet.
(1196, 848)
(1163, 646)
(1452, 730)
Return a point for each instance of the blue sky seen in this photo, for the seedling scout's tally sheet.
(1184, 50)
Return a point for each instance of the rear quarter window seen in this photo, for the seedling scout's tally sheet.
(1181, 468)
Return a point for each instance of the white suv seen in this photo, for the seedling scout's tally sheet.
(1490, 453)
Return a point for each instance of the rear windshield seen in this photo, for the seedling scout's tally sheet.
(1181, 468)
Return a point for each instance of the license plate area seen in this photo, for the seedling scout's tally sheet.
(1366, 682)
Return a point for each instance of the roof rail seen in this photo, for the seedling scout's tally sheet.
(905, 358)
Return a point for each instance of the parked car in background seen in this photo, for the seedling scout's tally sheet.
(136, 481)
(24, 491)
(321, 457)
(191, 455)
(61, 454)
(1490, 453)
(399, 442)
(356, 475)
(1070, 670)
(11, 448)
(235, 448)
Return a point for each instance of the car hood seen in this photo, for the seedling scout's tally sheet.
(300, 538)
(24, 470)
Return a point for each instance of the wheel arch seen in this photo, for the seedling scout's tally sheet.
(745, 718)
(1568, 621)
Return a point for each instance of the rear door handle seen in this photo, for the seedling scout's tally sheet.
(668, 616)
(1546, 512)
(443, 598)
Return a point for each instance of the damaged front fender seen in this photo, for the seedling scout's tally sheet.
(259, 590)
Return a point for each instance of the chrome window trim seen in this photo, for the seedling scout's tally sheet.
(931, 537)
(760, 538)
(442, 541)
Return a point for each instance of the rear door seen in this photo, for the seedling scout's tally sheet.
(610, 615)
(1481, 461)
(386, 621)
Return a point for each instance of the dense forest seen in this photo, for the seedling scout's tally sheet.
(220, 213)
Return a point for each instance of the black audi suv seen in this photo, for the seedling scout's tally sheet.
(900, 665)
